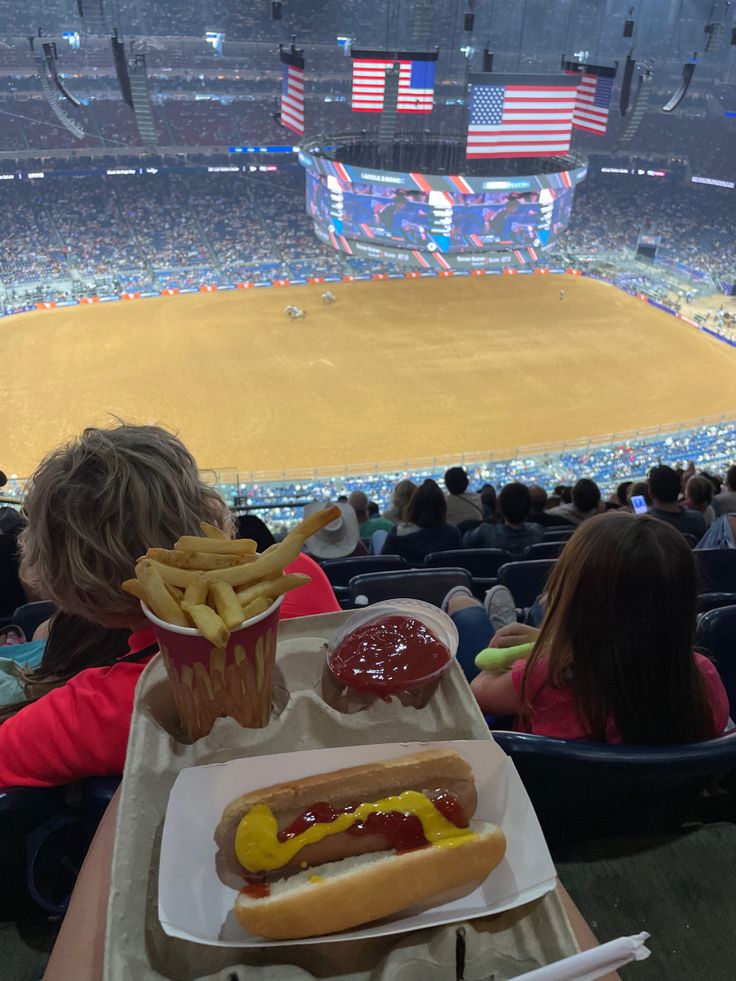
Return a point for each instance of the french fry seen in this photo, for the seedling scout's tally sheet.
(272, 588)
(203, 561)
(174, 592)
(255, 608)
(208, 623)
(192, 543)
(133, 587)
(157, 596)
(226, 603)
(196, 591)
(264, 565)
(169, 573)
(311, 525)
(210, 531)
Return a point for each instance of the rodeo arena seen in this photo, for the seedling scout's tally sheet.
(368, 491)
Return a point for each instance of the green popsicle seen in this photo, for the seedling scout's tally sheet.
(500, 659)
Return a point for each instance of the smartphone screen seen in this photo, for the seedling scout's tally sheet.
(639, 504)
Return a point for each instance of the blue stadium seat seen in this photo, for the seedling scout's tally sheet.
(544, 550)
(482, 564)
(525, 579)
(46, 832)
(341, 571)
(558, 533)
(430, 585)
(716, 634)
(713, 601)
(583, 789)
(30, 616)
(717, 568)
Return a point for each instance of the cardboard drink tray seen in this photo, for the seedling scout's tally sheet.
(136, 946)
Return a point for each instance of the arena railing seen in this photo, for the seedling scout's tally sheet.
(646, 434)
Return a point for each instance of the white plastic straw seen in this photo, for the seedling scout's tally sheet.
(595, 963)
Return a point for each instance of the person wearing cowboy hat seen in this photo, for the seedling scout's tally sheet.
(340, 538)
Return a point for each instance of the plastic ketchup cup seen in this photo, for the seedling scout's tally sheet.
(396, 648)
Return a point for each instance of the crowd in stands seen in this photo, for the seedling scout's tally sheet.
(150, 475)
(695, 225)
(143, 232)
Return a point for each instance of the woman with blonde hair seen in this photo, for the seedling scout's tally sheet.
(94, 506)
(400, 497)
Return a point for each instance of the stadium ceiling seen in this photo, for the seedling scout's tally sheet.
(524, 35)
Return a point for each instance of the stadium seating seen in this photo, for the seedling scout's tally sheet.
(525, 579)
(544, 550)
(580, 789)
(558, 533)
(341, 571)
(716, 635)
(45, 836)
(481, 563)
(717, 568)
(430, 585)
(31, 615)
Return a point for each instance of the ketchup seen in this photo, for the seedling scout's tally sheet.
(257, 890)
(449, 806)
(388, 655)
(402, 832)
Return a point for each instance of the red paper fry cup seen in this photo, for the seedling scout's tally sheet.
(209, 682)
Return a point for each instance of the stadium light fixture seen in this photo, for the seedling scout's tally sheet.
(215, 39)
(687, 75)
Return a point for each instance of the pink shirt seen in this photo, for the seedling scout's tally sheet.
(554, 712)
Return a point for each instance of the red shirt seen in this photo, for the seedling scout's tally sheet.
(554, 712)
(81, 729)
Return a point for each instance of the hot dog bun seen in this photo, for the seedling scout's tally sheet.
(427, 770)
(354, 891)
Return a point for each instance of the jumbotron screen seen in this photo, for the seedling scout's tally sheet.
(440, 220)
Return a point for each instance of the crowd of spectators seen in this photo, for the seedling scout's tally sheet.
(695, 223)
(714, 446)
(190, 228)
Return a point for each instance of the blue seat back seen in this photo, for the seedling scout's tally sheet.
(481, 563)
(544, 550)
(46, 832)
(717, 567)
(430, 585)
(341, 571)
(716, 634)
(525, 579)
(32, 615)
(558, 533)
(580, 789)
(712, 601)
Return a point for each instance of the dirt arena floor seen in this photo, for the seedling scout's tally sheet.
(394, 370)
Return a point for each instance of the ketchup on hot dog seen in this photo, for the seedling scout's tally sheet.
(402, 831)
(387, 655)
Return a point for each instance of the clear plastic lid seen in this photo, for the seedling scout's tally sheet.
(434, 619)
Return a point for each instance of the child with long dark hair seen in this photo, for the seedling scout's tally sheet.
(613, 660)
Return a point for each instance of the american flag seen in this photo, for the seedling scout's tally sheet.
(292, 91)
(416, 80)
(520, 115)
(593, 96)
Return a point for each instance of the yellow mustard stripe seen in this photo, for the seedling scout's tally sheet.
(258, 848)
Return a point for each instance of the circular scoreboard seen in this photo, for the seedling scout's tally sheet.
(412, 204)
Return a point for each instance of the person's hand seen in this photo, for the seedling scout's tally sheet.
(513, 634)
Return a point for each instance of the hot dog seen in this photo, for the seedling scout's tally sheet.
(374, 839)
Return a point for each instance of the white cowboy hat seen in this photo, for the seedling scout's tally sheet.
(337, 539)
